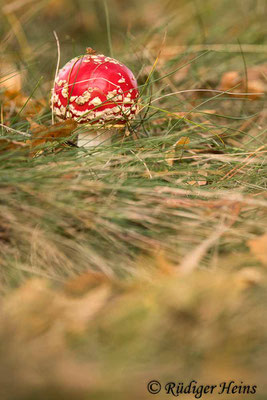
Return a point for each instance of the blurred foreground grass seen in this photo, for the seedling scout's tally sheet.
(145, 259)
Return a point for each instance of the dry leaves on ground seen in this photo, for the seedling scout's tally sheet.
(254, 82)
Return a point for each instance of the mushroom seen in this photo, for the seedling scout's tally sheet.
(98, 92)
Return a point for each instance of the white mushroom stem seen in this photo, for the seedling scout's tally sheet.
(96, 137)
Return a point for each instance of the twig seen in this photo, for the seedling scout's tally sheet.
(57, 68)
(14, 130)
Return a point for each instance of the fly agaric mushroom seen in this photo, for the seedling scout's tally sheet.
(98, 91)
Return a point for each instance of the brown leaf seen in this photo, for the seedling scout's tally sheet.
(6, 145)
(10, 78)
(229, 80)
(199, 183)
(183, 141)
(45, 134)
(258, 247)
(33, 125)
(253, 83)
(170, 154)
(14, 102)
(41, 135)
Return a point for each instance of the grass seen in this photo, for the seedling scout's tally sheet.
(135, 261)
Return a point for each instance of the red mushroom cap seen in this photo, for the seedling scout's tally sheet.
(96, 89)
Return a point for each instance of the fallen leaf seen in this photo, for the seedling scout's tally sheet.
(10, 78)
(183, 141)
(44, 134)
(6, 144)
(170, 154)
(199, 183)
(253, 83)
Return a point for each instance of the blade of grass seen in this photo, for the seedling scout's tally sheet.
(108, 28)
